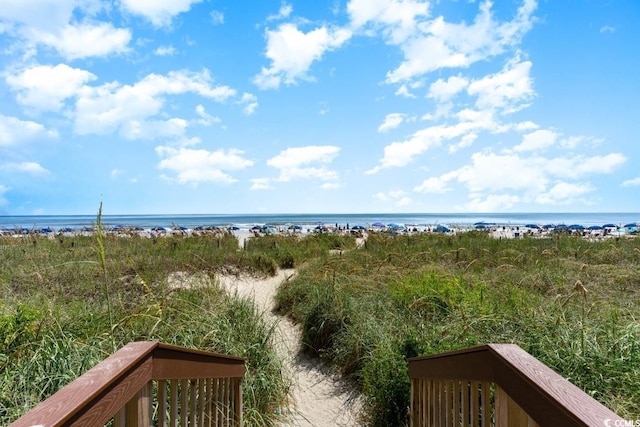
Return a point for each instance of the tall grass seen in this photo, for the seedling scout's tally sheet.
(67, 303)
(571, 303)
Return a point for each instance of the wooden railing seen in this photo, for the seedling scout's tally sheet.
(148, 383)
(498, 385)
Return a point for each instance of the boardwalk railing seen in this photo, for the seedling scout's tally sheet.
(148, 383)
(498, 385)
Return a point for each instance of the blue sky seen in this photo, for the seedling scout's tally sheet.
(341, 106)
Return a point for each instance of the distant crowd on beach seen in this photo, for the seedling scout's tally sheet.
(359, 230)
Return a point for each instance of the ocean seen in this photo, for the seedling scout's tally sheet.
(246, 221)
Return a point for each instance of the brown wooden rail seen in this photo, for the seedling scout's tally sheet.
(149, 383)
(497, 385)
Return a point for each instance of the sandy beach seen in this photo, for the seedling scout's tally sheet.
(319, 397)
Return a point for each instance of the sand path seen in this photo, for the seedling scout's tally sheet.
(319, 398)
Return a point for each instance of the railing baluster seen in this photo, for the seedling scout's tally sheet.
(161, 398)
(173, 416)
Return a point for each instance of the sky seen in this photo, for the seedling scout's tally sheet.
(340, 106)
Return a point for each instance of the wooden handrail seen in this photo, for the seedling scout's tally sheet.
(96, 396)
(546, 397)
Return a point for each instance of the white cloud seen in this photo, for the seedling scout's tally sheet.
(205, 119)
(401, 153)
(538, 140)
(26, 167)
(292, 52)
(198, 166)
(635, 182)
(494, 179)
(444, 90)
(433, 185)
(283, 13)
(391, 121)
(397, 19)
(261, 184)
(457, 45)
(564, 193)
(607, 29)
(68, 26)
(492, 203)
(44, 87)
(127, 108)
(217, 17)
(159, 12)
(250, 103)
(14, 131)
(165, 51)
(295, 163)
(45, 15)
(506, 90)
(399, 197)
(86, 40)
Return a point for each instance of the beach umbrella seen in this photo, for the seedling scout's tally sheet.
(441, 229)
(631, 225)
(480, 226)
(46, 230)
(595, 227)
(358, 227)
(158, 229)
(532, 226)
(548, 226)
(377, 224)
(234, 228)
(609, 226)
(576, 227)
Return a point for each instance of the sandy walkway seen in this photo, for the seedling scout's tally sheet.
(319, 398)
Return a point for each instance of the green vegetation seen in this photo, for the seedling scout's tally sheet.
(573, 304)
(68, 303)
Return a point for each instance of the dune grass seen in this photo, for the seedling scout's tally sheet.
(68, 303)
(573, 304)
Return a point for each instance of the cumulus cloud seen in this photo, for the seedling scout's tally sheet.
(130, 109)
(538, 140)
(45, 87)
(401, 153)
(391, 121)
(564, 193)
(399, 197)
(194, 166)
(86, 40)
(635, 182)
(31, 168)
(292, 52)
(14, 131)
(306, 163)
(283, 13)
(217, 17)
(165, 51)
(452, 45)
(249, 103)
(159, 12)
(499, 180)
(443, 90)
(397, 19)
(68, 26)
(508, 90)
(492, 203)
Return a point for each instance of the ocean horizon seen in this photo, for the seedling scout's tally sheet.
(56, 222)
